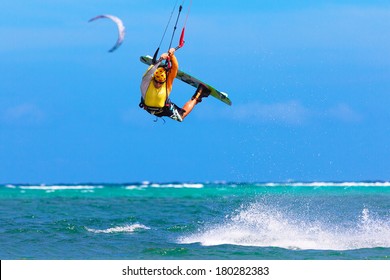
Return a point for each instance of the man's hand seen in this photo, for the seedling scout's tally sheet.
(164, 56)
(171, 51)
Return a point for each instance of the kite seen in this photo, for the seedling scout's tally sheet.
(121, 29)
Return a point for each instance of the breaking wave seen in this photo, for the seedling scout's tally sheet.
(120, 229)
(265, 226)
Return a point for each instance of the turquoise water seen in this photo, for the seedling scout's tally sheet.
(196, 221)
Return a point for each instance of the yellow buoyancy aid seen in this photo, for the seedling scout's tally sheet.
(156, 97)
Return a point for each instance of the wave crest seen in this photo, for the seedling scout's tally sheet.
(120, 229)
(265, 226)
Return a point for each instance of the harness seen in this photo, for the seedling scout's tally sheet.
(157, 111)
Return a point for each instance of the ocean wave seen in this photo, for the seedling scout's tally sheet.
(56, 188)
(165, 186)
(120, 229)
(265, 226)
(178, 186)
(60, 187)
(327, 184)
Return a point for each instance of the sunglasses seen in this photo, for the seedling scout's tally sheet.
(157, 82)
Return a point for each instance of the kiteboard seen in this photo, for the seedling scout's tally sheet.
(181, 75)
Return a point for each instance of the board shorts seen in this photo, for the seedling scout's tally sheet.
(170, 110)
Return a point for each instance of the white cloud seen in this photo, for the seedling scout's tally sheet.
(22, 114)
(287, 113)
(292, 113)
(344, 113)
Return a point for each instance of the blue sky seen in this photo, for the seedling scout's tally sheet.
(309, 81)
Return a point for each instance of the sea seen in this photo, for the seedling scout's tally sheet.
(196, 221)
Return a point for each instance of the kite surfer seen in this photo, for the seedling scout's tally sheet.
(156, 87)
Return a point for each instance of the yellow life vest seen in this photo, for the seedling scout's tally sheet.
(156, 97)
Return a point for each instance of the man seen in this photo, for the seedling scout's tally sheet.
(156, 87)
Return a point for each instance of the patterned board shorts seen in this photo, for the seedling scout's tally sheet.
(170, 110)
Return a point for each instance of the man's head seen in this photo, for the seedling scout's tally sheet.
(160, 76)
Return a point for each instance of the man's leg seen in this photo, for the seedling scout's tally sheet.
(201, 92)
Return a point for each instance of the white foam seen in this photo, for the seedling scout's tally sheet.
(328, 184)
(263, 226)
(60, 187)
(178, 186)
(135, 187)
(165, 186)
(120, 229)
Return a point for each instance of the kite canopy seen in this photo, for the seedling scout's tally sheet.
(121, 29)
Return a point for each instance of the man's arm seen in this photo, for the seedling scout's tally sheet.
(148, 77)
(173, 71)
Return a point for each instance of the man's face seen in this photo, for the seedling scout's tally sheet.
(157, 84)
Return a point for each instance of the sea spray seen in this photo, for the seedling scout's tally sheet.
(262, 225)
